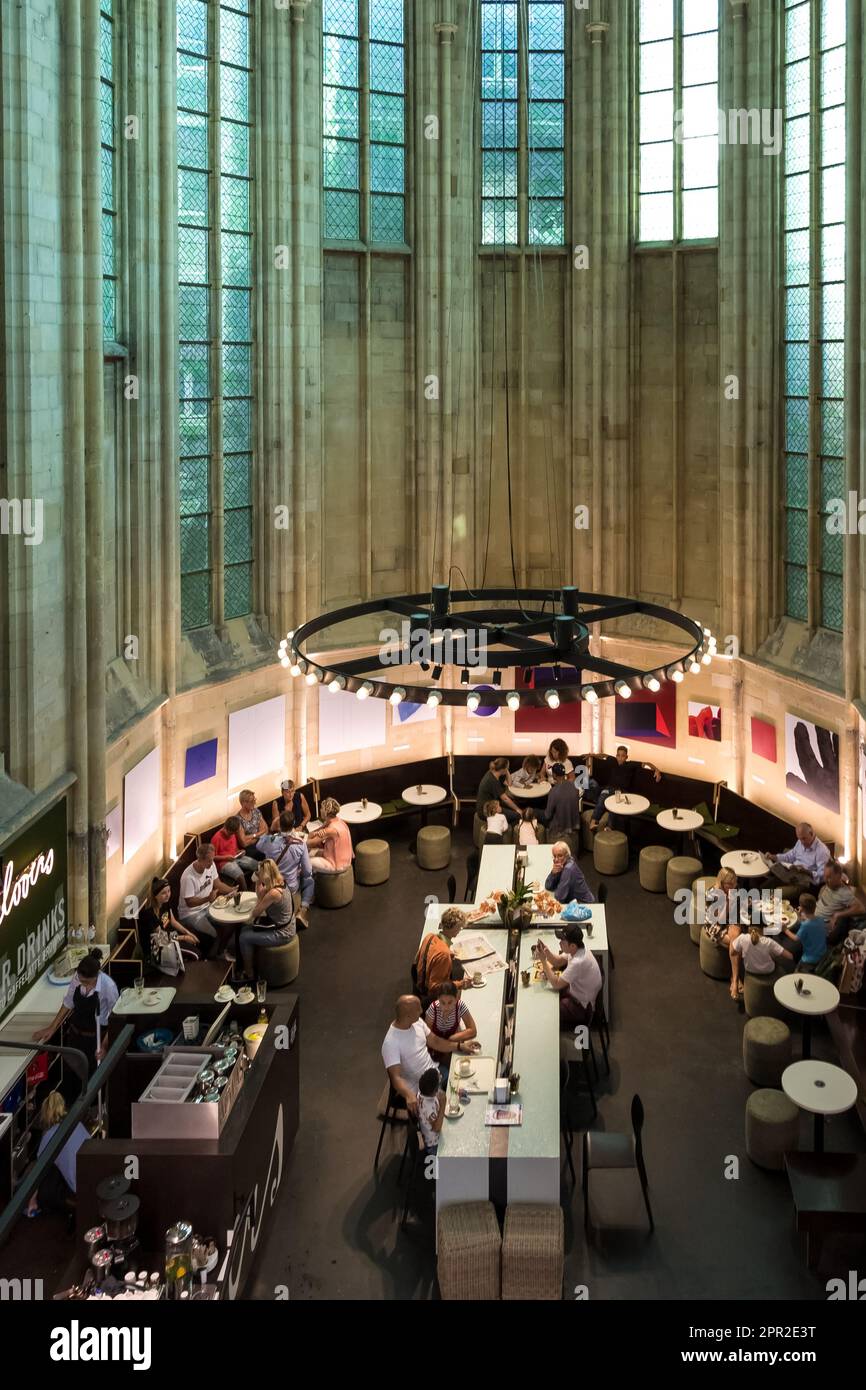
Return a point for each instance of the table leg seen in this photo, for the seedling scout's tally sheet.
(819, 1134)
(807, 1037)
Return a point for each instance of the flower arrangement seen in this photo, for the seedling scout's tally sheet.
(521, 903)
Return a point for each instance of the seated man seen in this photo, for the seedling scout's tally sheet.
(800, 869)
(331, 847)
(435, 963)
(406, 1049)
(289, 851)
(227, 852)
(838, 903)
(199, 885)
(620, 778)
(563, 803)
(565, 880)
(808, 944)
(580, 981)
(492, 788)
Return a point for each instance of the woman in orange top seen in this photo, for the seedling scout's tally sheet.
(331, 847)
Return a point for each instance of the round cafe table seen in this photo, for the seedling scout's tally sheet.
(685, 823)
(630, 805)
(822, 998)
(746, 863)
(356, 813)
(229, 915)
(533, 793)
(820, 1089)
(429, 795)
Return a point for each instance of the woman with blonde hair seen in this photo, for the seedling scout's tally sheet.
(271, 920)
(722, 921)
(57, 1189)
(758, 953)
(330, 847)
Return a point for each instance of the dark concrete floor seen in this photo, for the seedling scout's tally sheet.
(676, 1039)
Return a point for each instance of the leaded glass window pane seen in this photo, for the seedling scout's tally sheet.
(107, 135)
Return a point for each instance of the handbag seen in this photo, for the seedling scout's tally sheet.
(167, 954)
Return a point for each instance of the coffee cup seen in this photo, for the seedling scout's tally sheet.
(453, 1107)
(464, 1066)
(524, 976)
(477, 977)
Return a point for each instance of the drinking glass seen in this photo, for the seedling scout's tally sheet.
(261, 991)
(139, 985)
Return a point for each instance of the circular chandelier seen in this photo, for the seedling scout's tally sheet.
(535, 628)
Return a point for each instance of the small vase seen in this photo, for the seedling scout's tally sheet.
(504, 912)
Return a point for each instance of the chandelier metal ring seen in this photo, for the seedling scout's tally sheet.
(514, 638)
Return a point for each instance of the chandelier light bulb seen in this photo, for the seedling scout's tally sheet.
(552, 699)
(590, 694)
(513, 700)
(284, 660)
(706, 658)
(397, 696)
(694, 666)
(676, 675)
(623, 689)
(434, 699)
(364, 691)
(652, 683)
(312, 677)
(338, 683)
(473, 701)
(283, 645)
(294, 669)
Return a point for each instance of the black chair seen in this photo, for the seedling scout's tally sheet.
(582, 1057)
(565, 1117)
(452, 888)
(473, 864)
(602, 1150)
(395, 1102)
(601, 897)
(412, 1149)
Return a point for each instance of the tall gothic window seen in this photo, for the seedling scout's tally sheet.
(678, 120)
(814, 231)
(108, 137)
(523, 123)
(364, 121)
(215, 311)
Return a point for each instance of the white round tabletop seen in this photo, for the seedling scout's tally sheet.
(746, 863)
(630, 805)
(356, 813)
(819, 1087)
(229, 913)
(685, 820)
(776, 917)
(426, 795)
(822, 998)
(538, 789)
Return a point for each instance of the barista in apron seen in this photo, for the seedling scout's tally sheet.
(86, 1006)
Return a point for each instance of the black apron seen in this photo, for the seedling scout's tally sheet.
(82, 1024)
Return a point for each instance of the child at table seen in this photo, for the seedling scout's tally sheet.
(809, 941)
(497, 825)
(431, 1109)
(527, 831)
(527, 774)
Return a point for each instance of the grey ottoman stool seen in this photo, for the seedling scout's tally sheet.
(766, 1050)
(652, 865)
(714, 959)
(335, 890)
(533, 1251)
(610, 852)
(696, 916)
(469, 1249)
(372, 862)
(589, 835)
(681, 872)
(772, 1128)
(433, 847)
(279, 965)
(759, 998)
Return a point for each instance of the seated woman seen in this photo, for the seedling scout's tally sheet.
(758, 953)
(331, 847)
(448, 1017)
(56, 1192)
(290, 800)
(271, 921)
(722, 923)
(157, 915)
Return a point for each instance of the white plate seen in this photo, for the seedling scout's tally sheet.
(453, 1114)
(479, 986)
(225, 998)
(241, 998)
(464, 1075)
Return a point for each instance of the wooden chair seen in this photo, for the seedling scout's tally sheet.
(602, 1150)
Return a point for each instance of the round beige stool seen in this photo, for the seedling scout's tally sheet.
(610, 852)
(372, 862)
(772, 1128)
(714, 959)
(696, 916)
(681, 872)
(335, 890)
(433, 847)
(766, 1050)
(651, 867)
(586, 821)
(279, 965)
(758, 996)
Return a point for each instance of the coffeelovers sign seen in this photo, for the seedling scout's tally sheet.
(32, 903)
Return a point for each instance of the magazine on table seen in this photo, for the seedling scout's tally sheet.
(510, 1114)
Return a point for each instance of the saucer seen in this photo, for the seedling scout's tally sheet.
(480, 985)
(244, 996)
(224, 998)
(464, 1075)
(453, 1114)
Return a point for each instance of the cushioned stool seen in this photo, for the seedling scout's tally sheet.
(715, 960)
(479, 830)
(533, 1251)
(468, 1248)
(372, 862)
(589, 835)
(772, 1128)
(681, 872)
(610, 852)
(759, 998)
(697, 907)
(766, 1050)
(335, 890)
(433, 847)
(279, 965)
(651, 867)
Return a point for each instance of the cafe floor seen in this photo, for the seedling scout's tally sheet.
(676, 1040)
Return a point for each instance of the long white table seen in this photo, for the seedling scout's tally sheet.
(496, 870)
(539, 865)
(533, 1157)
(463, 1167)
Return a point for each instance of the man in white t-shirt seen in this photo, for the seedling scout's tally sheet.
(406, 1049)
(199, 885)
(580, 981)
